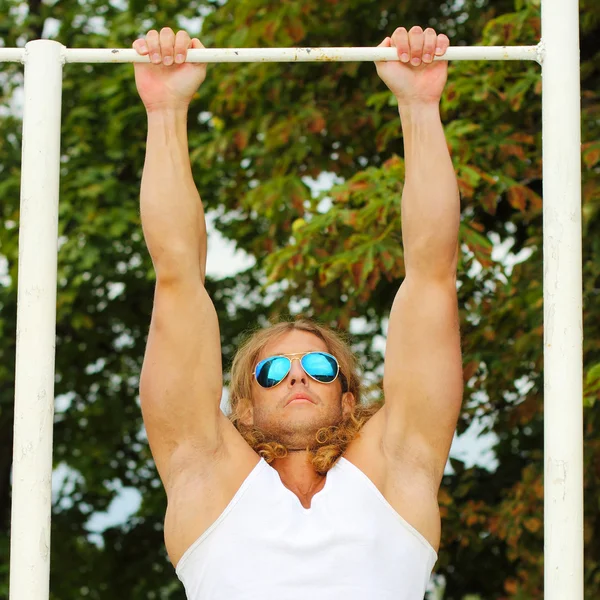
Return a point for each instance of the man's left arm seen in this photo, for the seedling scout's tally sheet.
(423, 383)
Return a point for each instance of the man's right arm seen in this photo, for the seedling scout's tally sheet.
(181, 380)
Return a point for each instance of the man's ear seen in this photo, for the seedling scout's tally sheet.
(247, 416)
(348, 404)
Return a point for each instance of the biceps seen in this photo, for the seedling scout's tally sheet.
(181, 378)
(423, 382)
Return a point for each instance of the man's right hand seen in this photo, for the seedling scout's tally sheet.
(168, 82)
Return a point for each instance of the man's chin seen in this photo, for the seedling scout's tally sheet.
(301, 433)
(305, 440)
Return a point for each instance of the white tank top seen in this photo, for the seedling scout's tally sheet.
(350, 544)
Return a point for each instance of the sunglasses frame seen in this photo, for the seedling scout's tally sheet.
(297, 356)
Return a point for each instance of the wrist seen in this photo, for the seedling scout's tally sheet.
(167, 117)
(419, 110)
(167, 108)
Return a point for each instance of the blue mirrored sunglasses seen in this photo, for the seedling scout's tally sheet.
(320, 366)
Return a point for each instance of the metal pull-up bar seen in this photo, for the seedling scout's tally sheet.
(558, 54)
(245, 55)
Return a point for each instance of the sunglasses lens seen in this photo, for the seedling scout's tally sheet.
(271, 371)
(322, 367)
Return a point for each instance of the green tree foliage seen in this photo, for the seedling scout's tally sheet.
(258, 133)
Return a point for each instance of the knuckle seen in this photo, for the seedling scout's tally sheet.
(416, 29)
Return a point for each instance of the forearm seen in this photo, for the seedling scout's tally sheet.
(430, 200)
(172, 214)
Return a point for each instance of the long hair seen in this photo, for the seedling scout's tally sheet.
(330, 442)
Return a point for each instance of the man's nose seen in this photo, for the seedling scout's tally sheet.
(297, 374)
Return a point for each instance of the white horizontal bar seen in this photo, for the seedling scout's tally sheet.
(239, 55)
(243, 55)
(12, 55)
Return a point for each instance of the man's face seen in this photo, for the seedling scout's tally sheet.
(293, 411)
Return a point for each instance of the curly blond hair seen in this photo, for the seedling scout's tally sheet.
(330, 442)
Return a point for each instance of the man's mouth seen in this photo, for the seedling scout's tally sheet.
(299, 398)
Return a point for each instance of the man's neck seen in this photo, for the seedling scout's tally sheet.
(299, 476)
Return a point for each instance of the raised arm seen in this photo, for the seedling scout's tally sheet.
(181, 381)
(423, 382)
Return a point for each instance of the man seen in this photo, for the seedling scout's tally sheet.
(286, 500)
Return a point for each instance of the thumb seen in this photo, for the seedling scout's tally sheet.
(387, 43)
(196, 44)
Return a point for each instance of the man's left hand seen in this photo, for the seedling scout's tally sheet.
(416, 78)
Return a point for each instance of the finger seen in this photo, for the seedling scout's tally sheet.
(182, 43)
(443, 43)
(167, 42)
(400, 40)
(140, 46)
(153, 42)
(429, 43)
(196, 44)
(416, 39)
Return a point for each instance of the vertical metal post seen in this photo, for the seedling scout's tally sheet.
(563, 332)
(36, 324)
